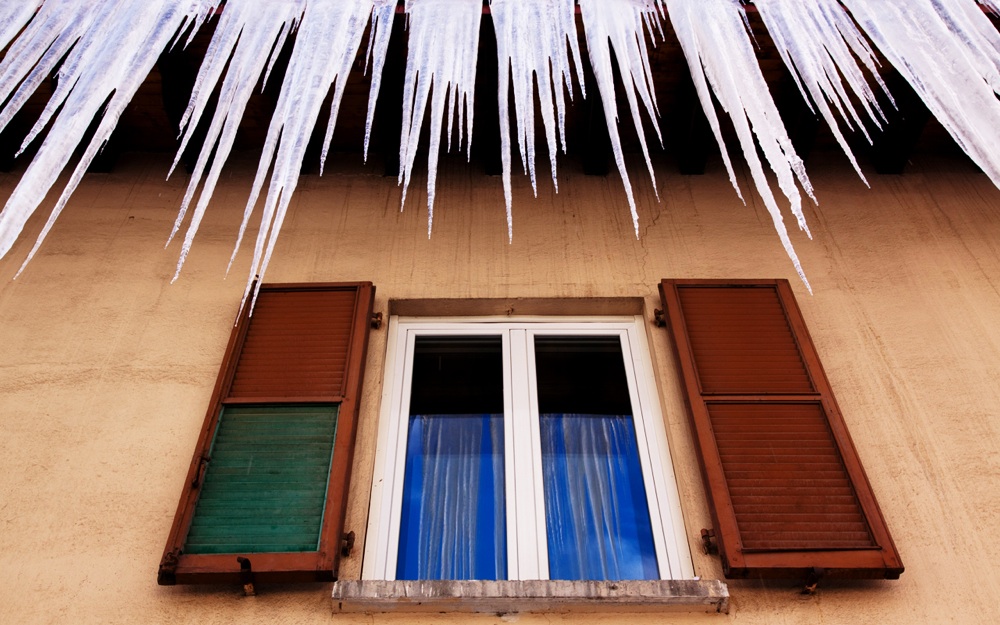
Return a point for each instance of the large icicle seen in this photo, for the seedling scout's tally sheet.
(720, 54)
(247, 38)
(949, 52)
(14, 14)
(620, 25)
(326, 46)
(109, 47)
(532, 37)
(442, 51)
(821, 45)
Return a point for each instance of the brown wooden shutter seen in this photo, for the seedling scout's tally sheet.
(787, 492)
(293, 371)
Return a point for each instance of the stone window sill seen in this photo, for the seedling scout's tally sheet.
(502, 597)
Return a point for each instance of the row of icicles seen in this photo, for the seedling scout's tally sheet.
(102, 50)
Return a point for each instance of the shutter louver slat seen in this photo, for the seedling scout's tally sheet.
(297, 345)
(733, 334)
(786, 490)
(272, 467)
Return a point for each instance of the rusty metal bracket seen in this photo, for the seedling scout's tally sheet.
(707, 542)
(167, 574)
(347, 544)
(376, 321)
(812, 580)
(246, 577)
(658, 320)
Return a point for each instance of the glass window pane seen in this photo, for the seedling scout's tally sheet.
(596, 514)
(453, 519)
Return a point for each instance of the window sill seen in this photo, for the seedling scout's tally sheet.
(501, 597)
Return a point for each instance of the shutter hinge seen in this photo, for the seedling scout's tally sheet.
(376, 321)
(246, 577)
(167, 574)
(658, 319)
(347, 544)
(707, 542)
(202, 465)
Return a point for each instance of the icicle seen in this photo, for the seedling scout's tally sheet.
(13, 16)
(620, 24)
(326, 45)
(817, 41)
(720, 54)
(442, 51)
(116, 45)
(247, 38)
(531, 50)
(949, 52)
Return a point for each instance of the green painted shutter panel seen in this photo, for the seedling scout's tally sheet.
(265, 483)
(786, 489)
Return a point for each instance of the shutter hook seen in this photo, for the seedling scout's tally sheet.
(707, 538)
(347, 544)
(246, 577)
(812, 580)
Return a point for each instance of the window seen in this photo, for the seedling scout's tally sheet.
(265, 494)
(522, 450)
(787, 492)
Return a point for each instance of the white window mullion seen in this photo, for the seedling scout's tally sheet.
(509, 461)
(646, 461)
(391, 488)
(531, 563)
(672, 550)
(537, 489)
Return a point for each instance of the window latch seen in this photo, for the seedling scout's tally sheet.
(708, 542)
(658, 319)
(376, 321)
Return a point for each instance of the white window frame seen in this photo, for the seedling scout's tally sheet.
(527, 549)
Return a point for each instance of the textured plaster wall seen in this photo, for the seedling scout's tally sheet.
(106, 369)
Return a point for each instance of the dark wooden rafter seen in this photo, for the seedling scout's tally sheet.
(388, 109)
(486, 132)
(594, 141)
(801, 121)
(178, 71)
(893, 145)
(688, 131)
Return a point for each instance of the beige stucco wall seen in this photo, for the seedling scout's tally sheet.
(106, 368)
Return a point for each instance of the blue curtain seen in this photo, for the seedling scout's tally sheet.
(453, 516)
(596, 514)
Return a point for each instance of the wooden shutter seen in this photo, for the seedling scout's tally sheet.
(268, 480)
(787, 492)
